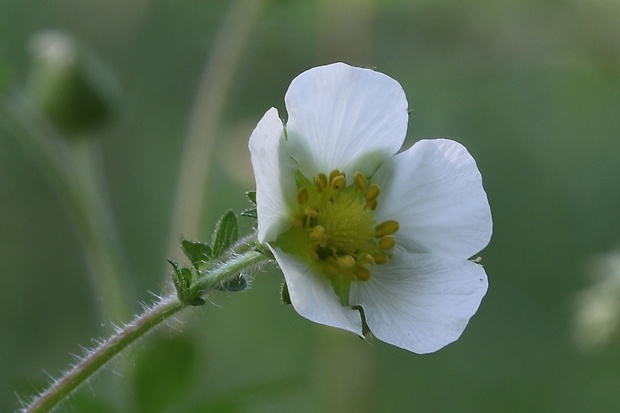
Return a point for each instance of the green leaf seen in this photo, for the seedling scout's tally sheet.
(251, 196)
(163, 372)
(199, 253)
(226, 233)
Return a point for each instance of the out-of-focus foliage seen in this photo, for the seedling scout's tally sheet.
(532, 88)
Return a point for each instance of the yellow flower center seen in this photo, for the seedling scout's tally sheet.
(334, 227)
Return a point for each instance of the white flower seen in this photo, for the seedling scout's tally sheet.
(359, 230)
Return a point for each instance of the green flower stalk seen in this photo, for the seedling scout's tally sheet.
(239, 259)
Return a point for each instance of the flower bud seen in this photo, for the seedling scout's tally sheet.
(69, 84)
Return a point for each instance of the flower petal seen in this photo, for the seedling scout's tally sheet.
(434, 190)
(273, 173)
(312, 295)
(421, 302)
(344, 117)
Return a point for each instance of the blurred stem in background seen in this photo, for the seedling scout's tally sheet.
(213, 90)
(347, 376)
(54, 123)
(346, 373)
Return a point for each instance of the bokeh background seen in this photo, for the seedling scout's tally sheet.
(532, 88)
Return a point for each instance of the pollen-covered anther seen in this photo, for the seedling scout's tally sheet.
(333, 174)
(302, 196)
(361, 273)
(370, 259)
(372, 192)
(317, 234)
(360, 181)
(345, 262)
(389, 227)
(386, 242)
(338, 183)
(380, 258)
(372, 204)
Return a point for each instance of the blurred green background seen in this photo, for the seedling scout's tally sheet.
(532, 88)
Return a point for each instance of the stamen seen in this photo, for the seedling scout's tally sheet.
(331, 268)
(372, 192)
(318, 234)
(338, 183)
(387, 242)
(333, 174)
(362, 273)
(389, 227)
(342, 236)
(380, 258)
(312, 213)
(370, 259)
(346, 262)
(320, 182)
(302, 196)
(360, 181)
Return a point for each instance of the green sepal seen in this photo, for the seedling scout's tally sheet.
(234, 284)
(251, 196)
(199, 253)
(301, 180)
(182, 279)
(226, 233)
(341, 286)
(365, 328)
(250, 213)
(285, 297)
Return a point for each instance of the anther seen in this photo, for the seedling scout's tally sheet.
(389, 227)
(372, 204)
(372, 192)
(362, 273)
(370, 259)
(338, 183)
(320, 182)
(387, 242)
(331, 268)
(318, 234)
(345, 262)
(360, 181)
(333, 174)
(312, 213)
(380, 258)
(302, 196)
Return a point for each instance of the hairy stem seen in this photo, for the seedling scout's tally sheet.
(139, 327)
